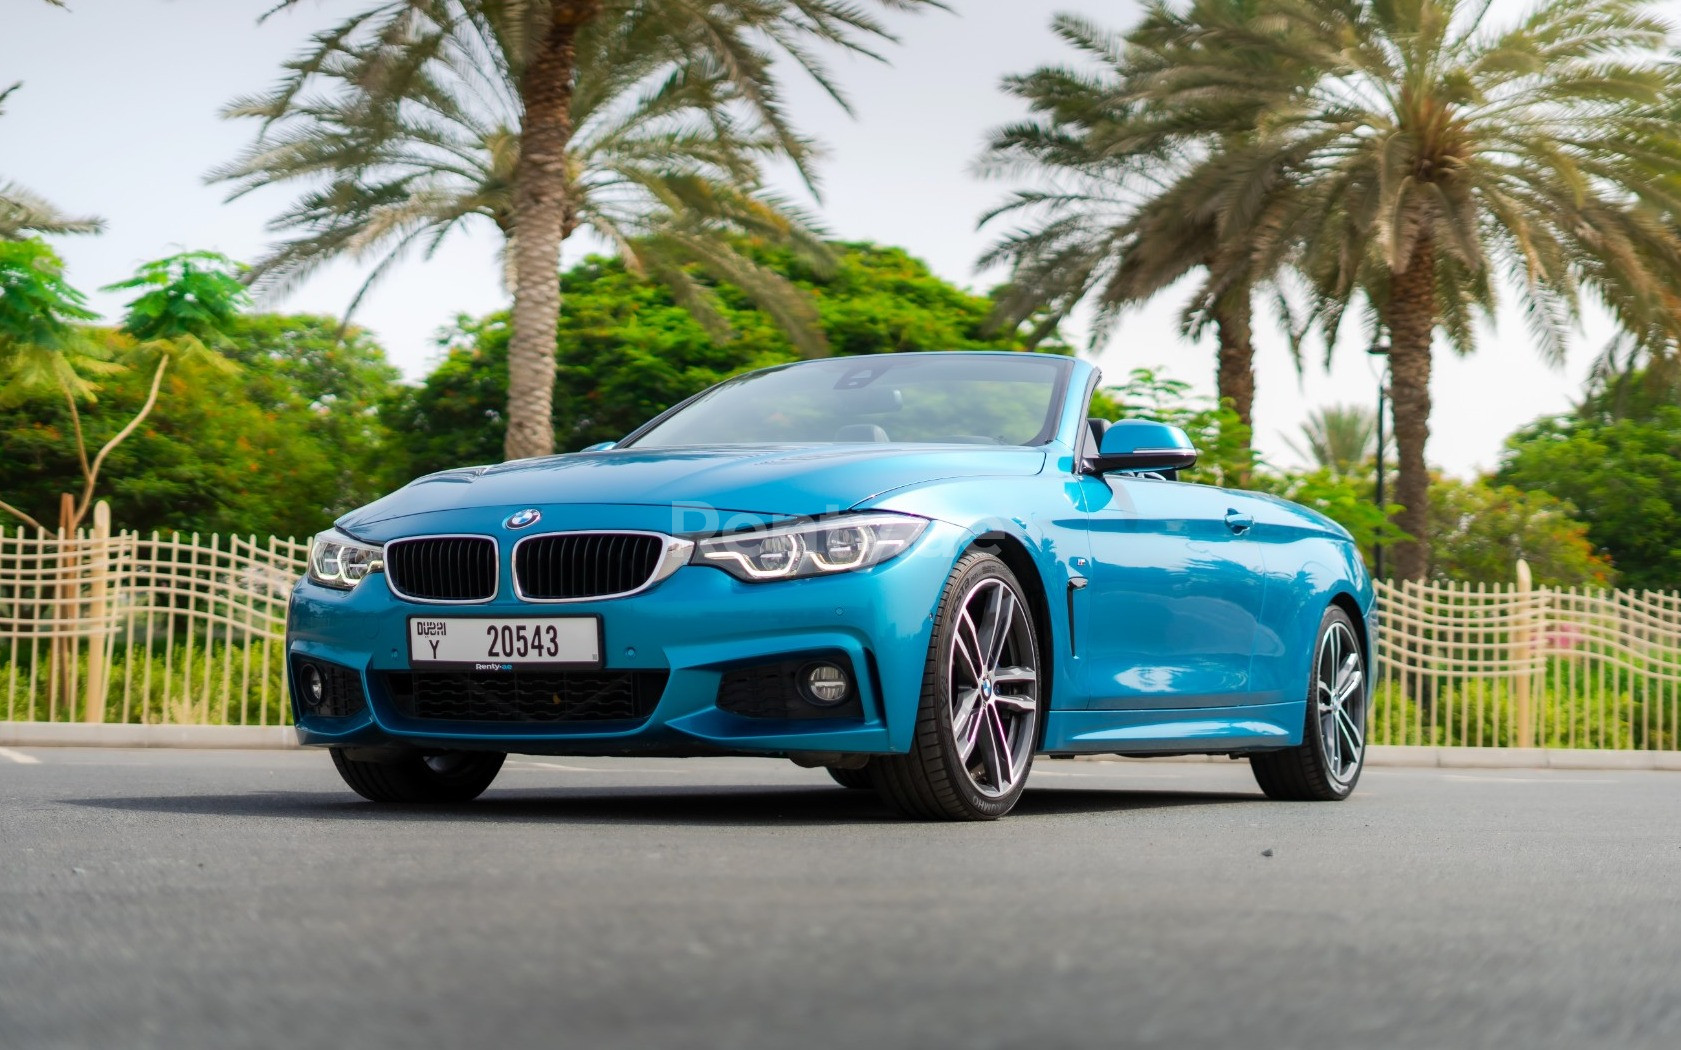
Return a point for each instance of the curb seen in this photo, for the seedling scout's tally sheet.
(118, 734)
(1478, 758)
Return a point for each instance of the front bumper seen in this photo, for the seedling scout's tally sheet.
(697, 626)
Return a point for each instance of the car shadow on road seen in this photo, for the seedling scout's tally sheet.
(718, 805)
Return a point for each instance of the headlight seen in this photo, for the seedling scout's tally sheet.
(811, 548)
(336, 560)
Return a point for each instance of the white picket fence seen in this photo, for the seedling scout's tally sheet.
(190, 630)
(126, 628)
(1524, 666)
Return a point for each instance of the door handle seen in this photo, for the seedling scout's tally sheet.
(1239, 523)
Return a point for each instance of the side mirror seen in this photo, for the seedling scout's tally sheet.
(1143, 444)
(599, 446)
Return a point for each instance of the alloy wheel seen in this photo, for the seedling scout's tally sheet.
(994, 688)
(1339, 682)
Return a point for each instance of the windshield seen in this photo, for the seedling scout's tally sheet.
(947, 398)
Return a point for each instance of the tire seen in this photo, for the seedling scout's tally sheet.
(855, 779)
(447, 776)
(977, 722)
(1327, 765)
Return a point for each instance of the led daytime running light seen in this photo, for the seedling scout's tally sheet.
(337, 561)
(812, 548)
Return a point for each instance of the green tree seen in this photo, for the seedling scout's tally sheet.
(684, 100)
(1624, 475)
(1433, 151)
(40, 311)
(1478, 531)
(627, 350)
(43, 346)
(325, 385)
(281, 445)
(185, 304)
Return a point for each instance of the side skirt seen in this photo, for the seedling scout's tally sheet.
(1202, 730)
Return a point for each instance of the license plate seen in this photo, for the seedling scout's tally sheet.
(503, 644)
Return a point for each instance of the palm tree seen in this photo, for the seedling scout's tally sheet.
(1338, 438)
(187, 302)
(1124, 209)
(1437, 161)
(656, 173)
(25, 214)
(646, 120)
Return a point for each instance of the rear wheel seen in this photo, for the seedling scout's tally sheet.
(446, 776)
(1327, 765)
(978, 721)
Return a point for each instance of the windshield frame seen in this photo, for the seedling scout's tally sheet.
(1046, 435)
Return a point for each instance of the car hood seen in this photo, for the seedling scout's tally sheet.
(798, 480)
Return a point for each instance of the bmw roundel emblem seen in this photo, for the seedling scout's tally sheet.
(521, 518)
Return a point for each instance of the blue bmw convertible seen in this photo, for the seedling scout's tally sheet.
(919, 571)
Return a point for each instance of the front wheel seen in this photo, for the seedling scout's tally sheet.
(978, 721)
(858, 779)
(448, 776)
(1327, 765)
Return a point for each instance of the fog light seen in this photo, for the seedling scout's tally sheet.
(826, 684)
(315, 687)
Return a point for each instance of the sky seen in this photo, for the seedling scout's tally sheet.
(118, 116)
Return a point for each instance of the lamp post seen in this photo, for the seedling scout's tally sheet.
(1380, 350)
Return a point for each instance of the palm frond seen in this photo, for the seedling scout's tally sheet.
(25, 214)
(400, 124)
(1339, 438)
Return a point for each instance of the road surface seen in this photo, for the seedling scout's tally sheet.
(246, 899)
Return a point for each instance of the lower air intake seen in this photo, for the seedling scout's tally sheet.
(327, 690)
(527, 696)
(773, 690)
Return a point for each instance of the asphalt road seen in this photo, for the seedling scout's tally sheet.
(201, 899)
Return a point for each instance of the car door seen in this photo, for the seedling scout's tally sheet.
(1174, 595)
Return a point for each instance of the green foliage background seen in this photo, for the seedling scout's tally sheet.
(1623, 475)
(280, 444)
(1479, 530)
(626, 350)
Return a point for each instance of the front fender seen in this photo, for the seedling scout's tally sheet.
(1041, 520)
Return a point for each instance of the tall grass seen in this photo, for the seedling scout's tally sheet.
(1622, 711)
(205, 683)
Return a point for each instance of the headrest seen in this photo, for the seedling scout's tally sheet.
(861, 432)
